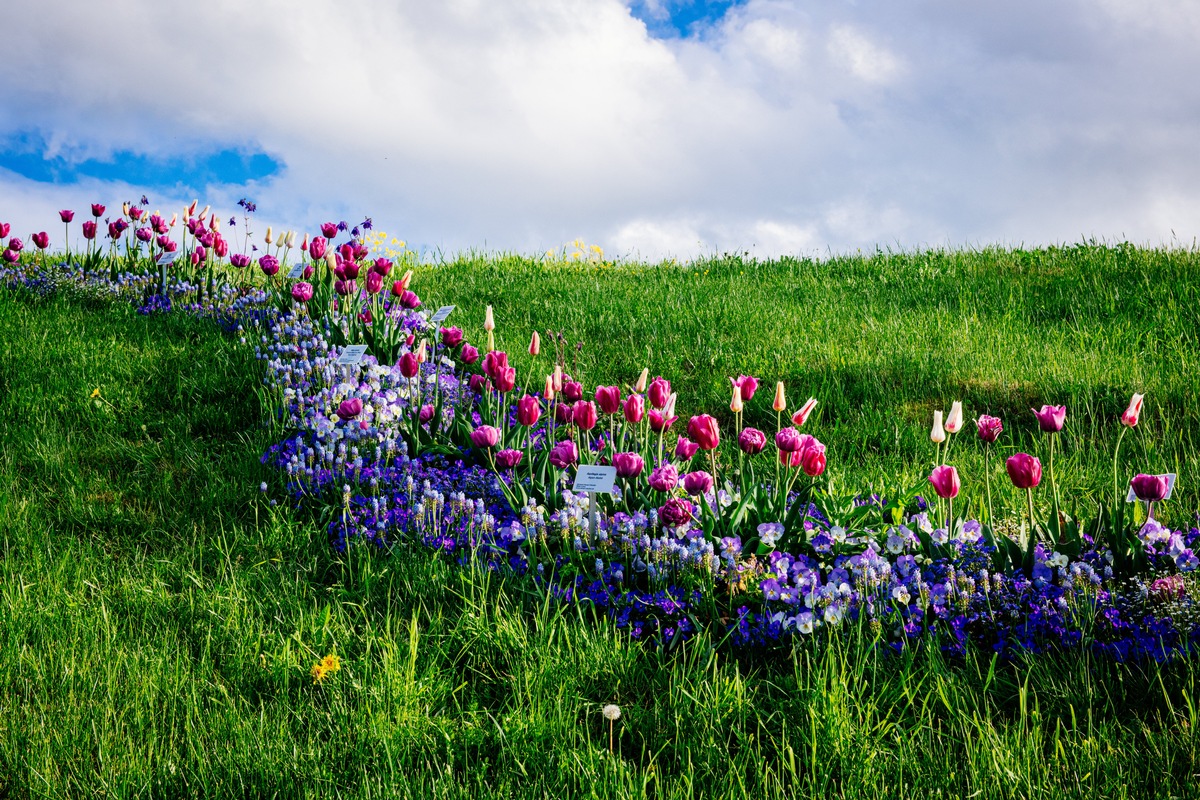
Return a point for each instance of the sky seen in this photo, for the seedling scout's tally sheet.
(651, 128)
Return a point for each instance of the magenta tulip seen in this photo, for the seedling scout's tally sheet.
(349, 409)
(1150, 488)
(629, 465)
(746, 385)
(485, 436)
(66, 215)
(426, 413)
(505, 379)
(989, 428)
(1024, 470)
(382, 266)
(697, 483)
(659, 392)
(1051, 418)
(89, 230)
(509, 459)
(329, 230)
(675, 512)
(685, 448)
(4, 230)
(469, 354)
(240, 260)
(97, 210)
(374, 283)
(451, 337)
(529, 411)
(945, 482)
(812, 459)
(564, 454)
(664, 479)
(752, 441)
(635, 408)
(572, 391)
(789, 440)
(42, 240)
(269, 265)
(704, 431)
(409, 366)
(659, 423)
(584, 414)
(302, 292)
(609, 399)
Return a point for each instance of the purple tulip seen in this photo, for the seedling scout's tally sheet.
(316, 249)
(989, 428)
(629, 465)
(635, 408)
(752, 441)
(1149, 488)
(89, 230)
(42, 240)
(409, 299)
(302, 292)
(239, 260)
(509, 459)
(572, 391)
(477, 383)
(697, 483)
(409, 366)
(374, 283)
(382, 266)
(11, 256)
(1051, 418)
(469, 354)
(451, 337)
(4, 230)
(15, 244)
(66, 215)
(584, 414)
(685, 448)
(664, 479)
(608, 398)
(350, 408)
(485, 437)
(269, 265)
(789, 440)
(564, 454)
(144, 234)
(329, 230)
(97, 210)
(659, 392)
(675, 512)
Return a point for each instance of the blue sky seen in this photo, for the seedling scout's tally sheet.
(648, 127)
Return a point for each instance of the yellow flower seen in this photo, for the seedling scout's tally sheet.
(319, 672)
(95, 392)
(331, 663)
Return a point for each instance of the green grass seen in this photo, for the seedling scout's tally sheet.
(158, 617)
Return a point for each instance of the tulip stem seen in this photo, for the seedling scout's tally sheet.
(987, 481)
(1029, 498)
(1116, 478)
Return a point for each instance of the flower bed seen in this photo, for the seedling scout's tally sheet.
(432, 440)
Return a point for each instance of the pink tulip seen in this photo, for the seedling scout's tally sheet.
(697, 483)
(752, 441)
(409, 366)
(660, 390)
(659, 423)
(426, 413)
(812, 459)
(664, 479)
(505, 379)
(564, 454)
(469, 354)
(584, 414)
(451, 337)
(302, 292)
(609, 399)
(316, 249)
(704, 431)
(349, 409)
(801, 416)
(374, 283)
(509, 459)
(629, 465)
(269, 265)
(635, 408)
(989, 428)
(746, 385)
(529, 411)
(1130, 417)
(675, 512)
(42, 240)
(485, 437)
(685, 449)
(945, 482)
(1150, 488)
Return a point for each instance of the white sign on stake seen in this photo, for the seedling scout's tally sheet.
(440, 315)
(595, 479)
(168, 257)
(1170, 476)
(296, 271)
(352, 355)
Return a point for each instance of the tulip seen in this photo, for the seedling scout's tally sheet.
(477, 383)
(564, 454)
(989, 428)
(239, 260)
(505, 379)
(135, 213)
(685, 448)
(350, 270)
(735, 405)
(1051, 418)
(801, 416)
(1150, 488)
(494, 362)
(562, 413)
(97, 210)
(451, 337)
(509, 459)
(489, 322)
(704, 431)
(316, 249)
(780, 403)
(535, 344)
(343, 288)
(331, 262)
(268, 238)
(469, 354)
(752, 441)
(584, 414)
(640, 386)
(635, 408)
(697, 483)
(669, 409)
(42, 240)
(629, 465)
(422, 353)
(954, 420)
(938, 434)
(548, 392)
(304, 244)
(572, 391)
(812, 459)
(660, 390)
(89, 230)
(11, 256)
(676, 512)
(329, 230)
(302, 292)
(485, 437)
(609, 399)
(529, 411)
(174, 219)
(745, 386)
(664, 479)
(66, 215)
(409, 366)
(1024, 470)
(4, 230)
(269, 265)
(558, 379)
(306, 274)
(789, 440)
(349, 409)
(660, 422)
(221, 247)
(409, 299)
(1130, 417)
(945, 482)
(406, 279)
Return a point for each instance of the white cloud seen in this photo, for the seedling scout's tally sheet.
(522, 124)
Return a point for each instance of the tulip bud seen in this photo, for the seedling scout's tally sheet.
(558, 378)
(204, 213)
(736, 404)
(304, 243)
(801, 416)
(938, 434)
(548, 394)
(405, 281)
(422, 355)
(954, 420)
(191, 210)
(491, 345)
(291, 239)
(269, 238)
(489, 323)
(125, 209)
(780, 403)
(1130, 417)
(535, 344)
(669, 409)
(174, 219)
(640, 386)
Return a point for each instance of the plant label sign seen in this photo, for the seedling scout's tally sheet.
(595, 479)
(167, 257)
(296, 271)
(440, 315)
(1170, 476)
(352, 355)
